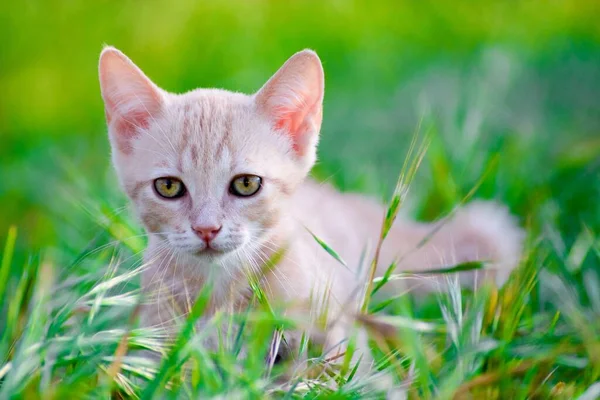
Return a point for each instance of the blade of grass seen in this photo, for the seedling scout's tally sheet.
(328, 249)
(7, 256)
(407, 174)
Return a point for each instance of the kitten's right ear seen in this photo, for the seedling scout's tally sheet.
(293, 100)
(131, 99)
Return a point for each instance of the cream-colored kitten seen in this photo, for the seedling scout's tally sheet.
(219, 181)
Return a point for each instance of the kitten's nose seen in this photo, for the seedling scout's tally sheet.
(206, 233)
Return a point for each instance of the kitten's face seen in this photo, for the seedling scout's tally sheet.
(207, 145)
(210, 171)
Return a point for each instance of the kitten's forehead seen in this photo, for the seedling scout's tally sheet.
(205, 124)
(206, 137)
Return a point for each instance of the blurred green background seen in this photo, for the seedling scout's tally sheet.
(509, 91)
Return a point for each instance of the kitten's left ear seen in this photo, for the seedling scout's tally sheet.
(293, 100)
(131, 99)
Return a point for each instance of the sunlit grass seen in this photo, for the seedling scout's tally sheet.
(72, 330)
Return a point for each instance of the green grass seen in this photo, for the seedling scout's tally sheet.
(70, 330)
(506, 95)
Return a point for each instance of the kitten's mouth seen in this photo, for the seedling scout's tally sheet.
(209, 251)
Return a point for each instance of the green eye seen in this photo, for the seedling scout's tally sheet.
(245, 185)
(169, 188)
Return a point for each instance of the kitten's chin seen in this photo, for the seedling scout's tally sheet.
(210, 253)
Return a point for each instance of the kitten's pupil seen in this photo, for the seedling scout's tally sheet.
(246, 181)
(169, 184)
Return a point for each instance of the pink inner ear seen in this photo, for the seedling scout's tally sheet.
(127, 127)
(298, 121)
(134, 116)
(290, 123)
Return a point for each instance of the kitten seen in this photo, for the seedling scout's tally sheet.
(218, 180)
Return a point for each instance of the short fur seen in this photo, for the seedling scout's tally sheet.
(206, 137)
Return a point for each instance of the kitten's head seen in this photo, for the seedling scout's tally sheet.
(210, 170)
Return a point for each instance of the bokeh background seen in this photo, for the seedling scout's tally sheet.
(508, 92)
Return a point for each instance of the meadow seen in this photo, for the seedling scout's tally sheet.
(506, 95)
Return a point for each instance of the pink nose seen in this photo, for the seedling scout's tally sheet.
(206, 233)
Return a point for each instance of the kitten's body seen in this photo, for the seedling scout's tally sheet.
(351, 225)
(206, 138)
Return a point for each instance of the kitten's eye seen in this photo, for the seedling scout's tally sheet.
(169, 188)
(245, 185)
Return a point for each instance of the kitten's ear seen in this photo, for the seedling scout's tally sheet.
(130, 98)
(293, 100)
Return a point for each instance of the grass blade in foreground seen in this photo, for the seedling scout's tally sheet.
(407, 174)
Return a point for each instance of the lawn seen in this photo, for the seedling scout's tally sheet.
(506, 95)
